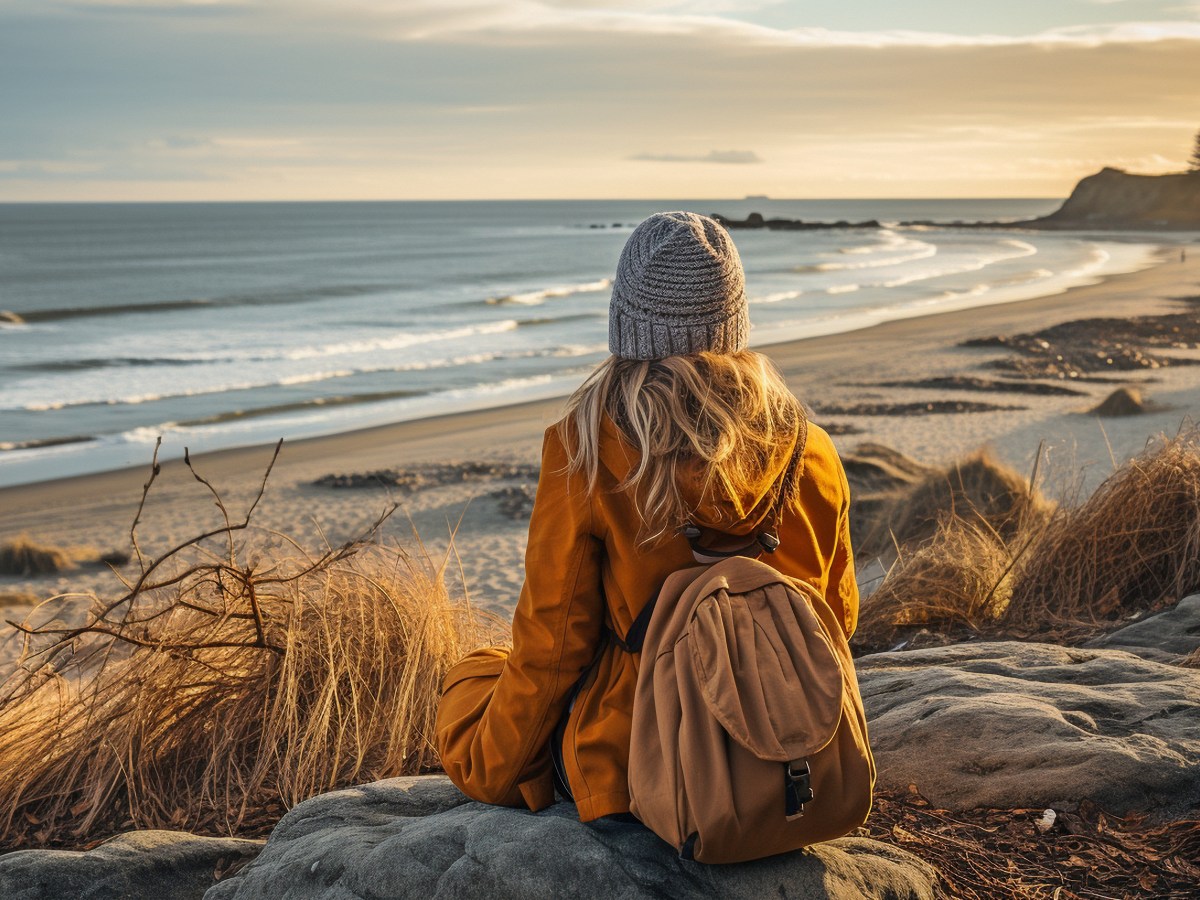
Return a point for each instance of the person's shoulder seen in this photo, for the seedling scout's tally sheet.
(819, 448)
(822, 463)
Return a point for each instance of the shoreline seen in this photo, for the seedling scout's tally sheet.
(792, 356)
(92, 440)
(886, 365)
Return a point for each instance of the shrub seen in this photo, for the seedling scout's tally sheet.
(225, 684)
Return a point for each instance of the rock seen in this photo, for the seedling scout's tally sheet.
(1011, 725)
(418, 837)
(1168, 637)
(756, 220)
(1123, 401)
(142, 864)
(1115, 199)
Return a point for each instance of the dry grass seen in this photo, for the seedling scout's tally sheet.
(955, 584)
(977, 490)
(224, 686)
(24, 557)
(1133, 545)
(18, 598)
(1013, 566)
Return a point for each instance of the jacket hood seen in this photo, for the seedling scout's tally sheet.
(730, 515)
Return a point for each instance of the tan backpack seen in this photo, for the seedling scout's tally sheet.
(749, 737)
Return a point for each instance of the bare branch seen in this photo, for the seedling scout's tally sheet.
(155, 468)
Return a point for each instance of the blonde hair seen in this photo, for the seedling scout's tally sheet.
(716, 420)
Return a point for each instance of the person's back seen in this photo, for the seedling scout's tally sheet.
(681, 426)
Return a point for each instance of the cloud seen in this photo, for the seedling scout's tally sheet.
(533, 21)
(726, 157)
(519, 98)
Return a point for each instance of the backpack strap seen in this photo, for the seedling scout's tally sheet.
(636, 635)
(766, 541)
(763, 542)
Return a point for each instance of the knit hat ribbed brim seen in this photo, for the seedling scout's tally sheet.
(679, 289)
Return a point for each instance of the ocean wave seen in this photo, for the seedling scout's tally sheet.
(398, 341)
(563, 351)
(1096, 258)
(258, 354)
(888, 240)
(776, 297)
(103, 362)
(315, 418)
(843, 289)
(921, 250)
(537, 298)
(260, 412)
(538, 321)
(274, 298)
(42, 443)
(1021, 248)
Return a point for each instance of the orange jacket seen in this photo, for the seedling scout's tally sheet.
(585, 571)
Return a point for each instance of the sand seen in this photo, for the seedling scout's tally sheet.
(843, 370)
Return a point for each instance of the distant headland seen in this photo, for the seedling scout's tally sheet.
(1110, 200)
(1115, 199)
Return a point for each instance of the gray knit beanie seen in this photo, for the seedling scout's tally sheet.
(679, 289)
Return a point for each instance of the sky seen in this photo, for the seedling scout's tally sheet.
(145, 100)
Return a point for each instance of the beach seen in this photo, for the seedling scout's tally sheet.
(842, 377)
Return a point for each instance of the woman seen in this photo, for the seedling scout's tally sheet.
(680, 426)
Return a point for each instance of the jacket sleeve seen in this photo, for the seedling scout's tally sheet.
(841, 591)
(493, 732)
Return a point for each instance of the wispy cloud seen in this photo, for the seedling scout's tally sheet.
(571, 98)
(725, 157)
(531, 20)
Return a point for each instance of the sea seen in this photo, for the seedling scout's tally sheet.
(215, 325)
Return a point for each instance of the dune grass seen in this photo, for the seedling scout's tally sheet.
(229, 681)
(1131, 546)
(955, 582)
(978, 490)
(1014, 566)
(25, 557)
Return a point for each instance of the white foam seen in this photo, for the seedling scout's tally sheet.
(537, 298)
(776, 297)
(1021, 248)
(914, 251)
(396, 341)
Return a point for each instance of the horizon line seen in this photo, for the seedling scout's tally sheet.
(743, 199)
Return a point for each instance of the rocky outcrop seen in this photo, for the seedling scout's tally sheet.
(757, 220)
(142, 865)
(1011, 725)
(1168, 637)
(1115, 199)
(420, 838)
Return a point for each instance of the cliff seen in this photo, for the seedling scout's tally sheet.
(1115, 199)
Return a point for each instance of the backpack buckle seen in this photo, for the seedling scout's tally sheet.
(797, 788)
(769, 541)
